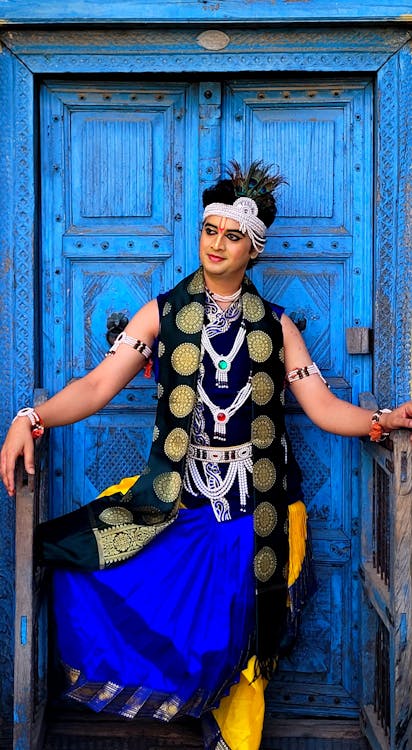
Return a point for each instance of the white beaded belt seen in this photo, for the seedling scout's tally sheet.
(220, 455)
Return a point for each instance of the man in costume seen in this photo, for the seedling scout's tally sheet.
(174, 591)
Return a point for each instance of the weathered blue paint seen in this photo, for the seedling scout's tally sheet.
(16, 303)
(23, 630)
(224, 11)
(107, 249)
(262, 49)
(331, 51)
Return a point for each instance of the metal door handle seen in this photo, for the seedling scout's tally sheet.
(116, 323)
(299, 320)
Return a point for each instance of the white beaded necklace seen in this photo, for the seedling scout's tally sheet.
(223, 362)
(222, 416)
(226, 297)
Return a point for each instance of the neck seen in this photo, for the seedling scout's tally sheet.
(223, 287)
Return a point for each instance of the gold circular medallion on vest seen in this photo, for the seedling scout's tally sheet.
(182, 400)
(167, 486)
(264, 564)
(166, 308)
(115, 516)
(161, 349)
(265, 519)
(156, 432)
(260, 346)
(190, 318)
(253, 307)
(263, 388)
(160, 390)
(197, 284)
(282, 354)
(264, 475)
(185, 359)
(176, 444)
(263, 432)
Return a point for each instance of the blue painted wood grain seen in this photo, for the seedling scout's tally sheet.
(181, 11)
(385, 51)
(112, 214)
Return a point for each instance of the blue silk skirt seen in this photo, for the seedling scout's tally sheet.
(166, 633)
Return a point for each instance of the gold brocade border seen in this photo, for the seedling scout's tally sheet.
(125, 540)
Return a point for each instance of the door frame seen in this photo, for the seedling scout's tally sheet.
(29, 55)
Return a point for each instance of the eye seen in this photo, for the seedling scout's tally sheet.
(233, 237)
(210, 230)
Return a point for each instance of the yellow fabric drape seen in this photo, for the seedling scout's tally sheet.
(240, 714)
(122, 487)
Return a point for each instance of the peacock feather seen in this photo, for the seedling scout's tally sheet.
(256, 182)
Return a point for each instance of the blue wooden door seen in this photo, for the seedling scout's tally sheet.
(123, 166)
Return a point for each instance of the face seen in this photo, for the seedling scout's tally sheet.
(224, 251)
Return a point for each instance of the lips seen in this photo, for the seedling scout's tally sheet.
(215, 258)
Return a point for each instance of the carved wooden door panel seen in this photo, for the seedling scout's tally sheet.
(122, 169)
(112, 204)
(318, 264)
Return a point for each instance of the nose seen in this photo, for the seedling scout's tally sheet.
(218, 241)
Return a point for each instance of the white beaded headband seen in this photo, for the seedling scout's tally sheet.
(244, 210)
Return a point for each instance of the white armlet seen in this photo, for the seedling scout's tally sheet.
(124, 338)
(303, 372)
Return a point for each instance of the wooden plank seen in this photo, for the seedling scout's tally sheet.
(128, 11)
(402, 591)
(29, 665)
(23, 665)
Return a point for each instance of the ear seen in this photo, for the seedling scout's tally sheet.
(253, 254)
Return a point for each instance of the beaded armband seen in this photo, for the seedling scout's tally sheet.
(376, 432)
(124, 338)
(37, 424)
(303, 372)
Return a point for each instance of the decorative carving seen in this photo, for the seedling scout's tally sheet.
(117, 456)
(386, 227)
(315, 472)
(403, 263)
(375, 43)
(17, 217)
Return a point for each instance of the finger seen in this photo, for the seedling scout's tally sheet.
(29, 457)
(7, 473)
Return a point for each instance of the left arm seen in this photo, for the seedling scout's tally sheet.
(326, 410)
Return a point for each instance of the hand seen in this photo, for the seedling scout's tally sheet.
(398, 419)
(18, 442)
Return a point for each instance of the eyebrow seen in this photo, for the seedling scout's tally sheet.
(209, 224)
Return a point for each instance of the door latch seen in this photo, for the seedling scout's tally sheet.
(359, 340)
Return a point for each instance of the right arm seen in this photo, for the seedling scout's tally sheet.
(82, 397)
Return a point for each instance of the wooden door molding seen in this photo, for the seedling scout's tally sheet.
(29, 55)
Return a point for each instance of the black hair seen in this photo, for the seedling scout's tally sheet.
(224, 192)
